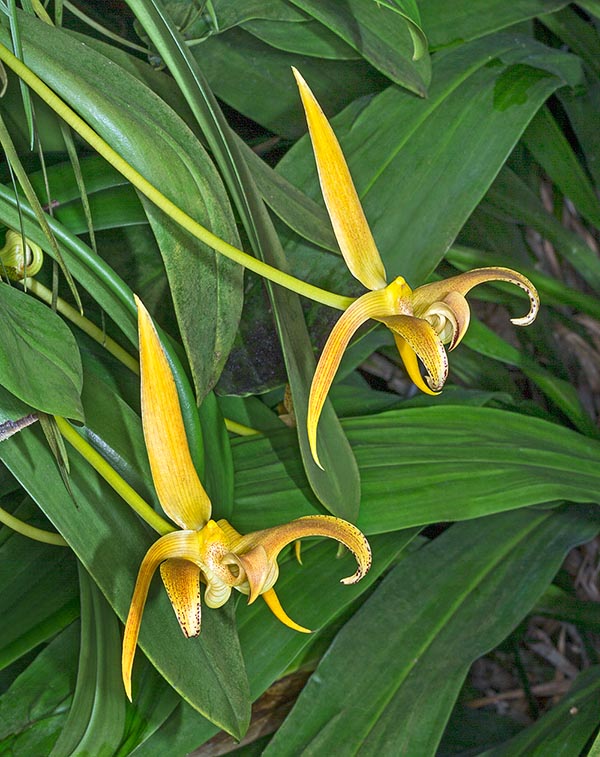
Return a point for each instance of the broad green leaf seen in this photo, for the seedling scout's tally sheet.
(206, 288)
(455, 23)
(408, 457)
(447, 604)
(96, 719)
(111, 541)
(483, 96)
(550, 147)
(581, 108)
(382, 37)
(564, 730)
(39, 359)
(33, 709)
(409, 10)
(218, 479)
(339, 489)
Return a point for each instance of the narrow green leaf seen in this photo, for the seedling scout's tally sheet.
(96, 719)
(39, 359)
(550, 147)
(510, 196)
(564, 730)
(448, 604)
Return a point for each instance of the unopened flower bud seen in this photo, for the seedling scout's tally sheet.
(17, 261)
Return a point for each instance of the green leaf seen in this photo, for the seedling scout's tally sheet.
(39, 359)
(447, 604)
(39, 594)
(33, 709)
(557, 603)
(510, 196)
(111, 541)
(408, 457)
(206, 288)
(383, 37)
(96, 719)
(266, 93)
(455, 23)
(550, 147)
(564, 730)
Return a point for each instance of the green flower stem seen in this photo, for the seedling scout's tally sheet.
(239, 428)
(31, 532)
(73, 315)
(166, 205)
(133, 499)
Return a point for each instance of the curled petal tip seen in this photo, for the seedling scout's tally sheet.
(273, 603)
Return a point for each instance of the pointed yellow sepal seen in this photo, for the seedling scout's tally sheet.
(273, 603)
(178, 487)
(345, 211)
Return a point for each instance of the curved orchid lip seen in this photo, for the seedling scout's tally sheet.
(422, 320)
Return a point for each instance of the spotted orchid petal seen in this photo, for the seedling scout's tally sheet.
(416, 338)
(178, 545)
(370, 305)
(345, 211)
(178, 487)
(181, 580)
(449, 318)
(257, 552)
(437, 291)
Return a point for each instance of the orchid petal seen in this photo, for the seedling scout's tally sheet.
(449, 318)
(179, 490)
(177, 544)
(464, 282)
(345, 211)
(273, 540)
(182, 582)
(419, 338)
(274, 605)
(370, 305)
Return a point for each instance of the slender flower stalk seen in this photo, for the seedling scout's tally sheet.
(422, 320)
(31, 532)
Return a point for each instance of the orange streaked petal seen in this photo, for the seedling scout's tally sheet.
(464, 282)
(275, 539)
(462, 316)
(182, 582)
(177, 544)
(274, 605)
(345, 211)
(369, 305)
(421, 340)
(179, 490)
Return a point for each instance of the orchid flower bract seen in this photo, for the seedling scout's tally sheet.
(205, 551)
(422, 320)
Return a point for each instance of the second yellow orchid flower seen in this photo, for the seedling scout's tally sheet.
(422, 321)
(204, 550)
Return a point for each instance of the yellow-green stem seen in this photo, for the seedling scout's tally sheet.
(31, 532)
(73, 315)
(152, 193)
(133, 499)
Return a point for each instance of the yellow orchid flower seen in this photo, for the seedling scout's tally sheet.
(204, 550)
(422, 320)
